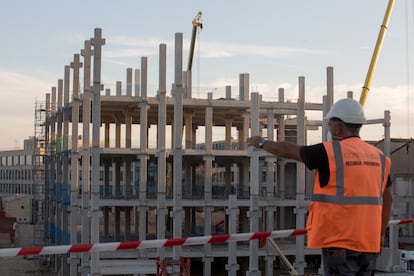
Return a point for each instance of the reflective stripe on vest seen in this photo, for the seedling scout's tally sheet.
(340, 198)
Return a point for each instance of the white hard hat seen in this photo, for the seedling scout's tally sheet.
(348, 110)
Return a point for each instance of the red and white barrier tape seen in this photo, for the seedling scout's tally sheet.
(130, 245)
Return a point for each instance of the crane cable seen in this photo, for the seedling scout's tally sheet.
(198, 57)
(407, 59)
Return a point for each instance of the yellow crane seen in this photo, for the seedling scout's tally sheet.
(196, 24)
(374, 59)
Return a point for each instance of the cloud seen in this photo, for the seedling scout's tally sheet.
(123, 46)
(19, 92)
(396, 99)
(151, 42)
(19, 85)
(219, 49)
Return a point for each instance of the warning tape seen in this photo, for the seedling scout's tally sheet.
(133, 245)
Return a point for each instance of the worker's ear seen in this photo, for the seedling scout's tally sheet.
(337, 128)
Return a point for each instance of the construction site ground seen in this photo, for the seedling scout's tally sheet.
(14, 266)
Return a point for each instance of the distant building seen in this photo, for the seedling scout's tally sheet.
(21, 173)
(19, 207)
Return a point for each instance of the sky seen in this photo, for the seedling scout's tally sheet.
(274, 41)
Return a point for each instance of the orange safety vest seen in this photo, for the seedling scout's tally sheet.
(347, 212)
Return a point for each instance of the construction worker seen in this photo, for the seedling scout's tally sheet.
(351, 199)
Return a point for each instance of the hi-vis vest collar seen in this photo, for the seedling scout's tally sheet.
(340, 198)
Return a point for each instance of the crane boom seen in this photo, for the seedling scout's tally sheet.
(374, 59)
(196, 23)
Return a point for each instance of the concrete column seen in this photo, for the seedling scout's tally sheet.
(330, 85)
(118, 122)
(107, 193)
(188, 120)
(128, 178)
(117, 233)
(162, 65)
(244, 87)
(65, 164)
(187, 81)
(117, 177)
(55, 167)
(254, 188)
(128, 129)
(97, 43)
(137, 218)
(162, 168)
(228, 124)
(59, 172)
(107, 137)
(129, 82)
(244, 189)
(187, 189)
(271, 163)
(86, 155)
(48, 176)
(74, 187)
(209, 125)
(142, 209)
(244, 164)
(161, 148)
(137, 82)
(228, 91)
(393, 229)
(143, 157)
(208, 184)
(301, 207)
(328, 98)
(194, 136)
(178, 92)
(208, 207)
(144, 75)
(233, 212)
(244, 133)
(178, 60)
(282, 163)
(118, 89)
(106, 222)
(325, 106)
(127, 211)
(270, 209)
(227, 178)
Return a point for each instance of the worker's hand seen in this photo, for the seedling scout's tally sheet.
(382, 243)
(254, 141)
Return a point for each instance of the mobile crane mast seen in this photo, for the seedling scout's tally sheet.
(196, 24)
(380, 39)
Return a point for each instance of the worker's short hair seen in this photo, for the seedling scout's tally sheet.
(350, 127)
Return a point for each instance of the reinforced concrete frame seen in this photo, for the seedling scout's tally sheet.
(97, 191)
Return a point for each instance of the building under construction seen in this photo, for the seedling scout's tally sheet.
(178, 179)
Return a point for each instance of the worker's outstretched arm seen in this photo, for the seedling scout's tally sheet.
(280, 149)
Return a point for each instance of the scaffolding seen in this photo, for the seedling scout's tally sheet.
(38, 164)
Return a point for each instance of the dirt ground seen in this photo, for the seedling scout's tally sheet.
(13, 266)
(16, 266)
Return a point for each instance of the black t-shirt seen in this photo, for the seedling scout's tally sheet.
(315, 157)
